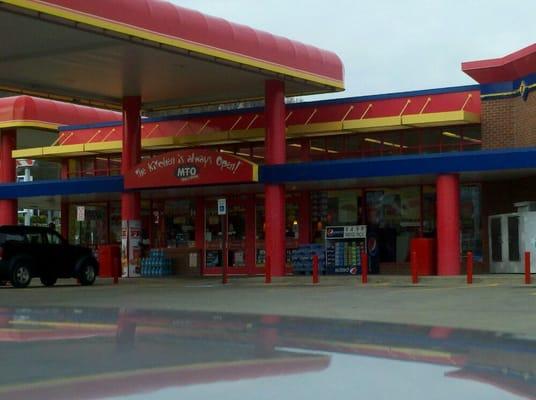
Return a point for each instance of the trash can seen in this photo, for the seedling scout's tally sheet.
(109, 260)
(424, 249)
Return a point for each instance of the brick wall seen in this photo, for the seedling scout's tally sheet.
(509, 122)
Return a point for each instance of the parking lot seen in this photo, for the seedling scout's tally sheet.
(499, 303)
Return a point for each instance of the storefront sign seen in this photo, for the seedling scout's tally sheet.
(222, 206)
(80, 214)
(190, 168)
(346, 232)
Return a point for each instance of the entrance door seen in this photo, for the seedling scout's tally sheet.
(239, 234)
(505, 254)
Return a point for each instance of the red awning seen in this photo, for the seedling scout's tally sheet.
(508, 68)
(26, 111)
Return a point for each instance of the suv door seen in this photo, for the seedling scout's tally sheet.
(36, 248)
(61, 255)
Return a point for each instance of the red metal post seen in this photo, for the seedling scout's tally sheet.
(8, 174)
(448, 225)
(364, 267)
(64, 174)
(275, 153)
(469, 267)
(225, 277)
(414, 268)
(131, 155)
(267, 270)
(527, 268)
(315, 269)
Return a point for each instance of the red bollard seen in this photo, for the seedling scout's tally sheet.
(414, 272)
(527, 268)
(315, 269)
(224, 278)
(364, 267)
(267, 271)
(469, 267)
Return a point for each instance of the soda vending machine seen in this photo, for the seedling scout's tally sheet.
(344, 245)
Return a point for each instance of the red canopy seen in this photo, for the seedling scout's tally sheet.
(169, 24)
(43, 113)
(508, 68)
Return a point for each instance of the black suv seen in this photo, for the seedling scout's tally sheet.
(27, 252)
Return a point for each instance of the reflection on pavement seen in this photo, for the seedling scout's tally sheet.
(60, 353)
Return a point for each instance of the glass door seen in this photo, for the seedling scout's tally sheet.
(239, 233)
(213, 237)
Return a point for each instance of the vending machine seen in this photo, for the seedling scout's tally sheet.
(344, 245)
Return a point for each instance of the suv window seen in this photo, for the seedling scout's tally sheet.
(11, 237)
(54, 238)
(35, 238)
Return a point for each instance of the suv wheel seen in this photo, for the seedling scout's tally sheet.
(49, 280)
(21, 276)
(87, 272)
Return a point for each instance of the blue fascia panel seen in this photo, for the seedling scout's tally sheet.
(458, 162)
(108, 184)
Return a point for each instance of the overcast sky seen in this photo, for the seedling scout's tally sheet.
(392, 45)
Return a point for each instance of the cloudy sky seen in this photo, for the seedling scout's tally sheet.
(392, 45)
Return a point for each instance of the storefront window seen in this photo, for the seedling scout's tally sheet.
(180, 223)
(471, 239)
(396, 214)
(334, 208)
(93, 230)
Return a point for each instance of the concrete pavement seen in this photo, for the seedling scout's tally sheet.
(499, 303)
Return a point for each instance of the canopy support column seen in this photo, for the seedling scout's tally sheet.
(130, 201)
(448, 224)
(8, 174)
(275, 153)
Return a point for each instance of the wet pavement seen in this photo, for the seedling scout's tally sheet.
(123, 353)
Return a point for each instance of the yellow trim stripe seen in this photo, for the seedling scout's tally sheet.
(49, 126)
(257, 134)
(162, 39)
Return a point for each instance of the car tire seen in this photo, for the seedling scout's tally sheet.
(87, 271)
(21, 274)
(49, 280)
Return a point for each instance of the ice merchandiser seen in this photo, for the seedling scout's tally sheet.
(510, 236)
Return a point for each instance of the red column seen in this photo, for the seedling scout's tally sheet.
(448, 225)
(304, 212)
(130, 201)
(64, 174)
(8, 174)
(275, 153)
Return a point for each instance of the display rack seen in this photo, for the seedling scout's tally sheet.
(344, 245)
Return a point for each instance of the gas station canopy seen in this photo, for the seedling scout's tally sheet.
(97, 52)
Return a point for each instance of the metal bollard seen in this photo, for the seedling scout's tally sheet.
(469, 267)
(414, 271)
(224, 278)
(315, 269)
(364, 267)
(267, 271)
(527, 268)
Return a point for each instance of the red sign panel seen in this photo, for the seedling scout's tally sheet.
(190, 168)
